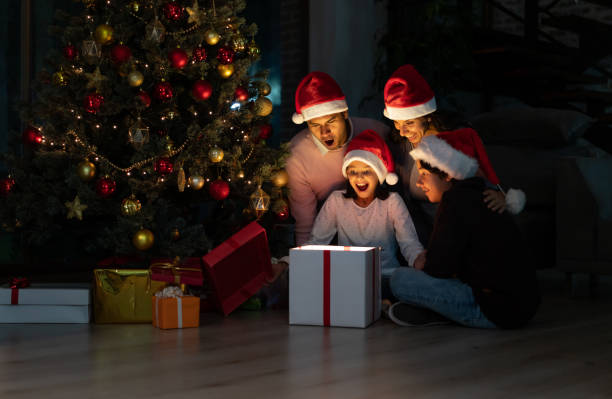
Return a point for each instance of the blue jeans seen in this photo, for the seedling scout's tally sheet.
(449, 297)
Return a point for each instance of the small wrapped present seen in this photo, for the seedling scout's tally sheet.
(21, 302)
(172, 309)
(334, 286)
(238, 268)
(124, 295)
(188, 271)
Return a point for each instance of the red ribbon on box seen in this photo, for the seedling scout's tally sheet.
(327, 286)
(15, 284)
(187, 272)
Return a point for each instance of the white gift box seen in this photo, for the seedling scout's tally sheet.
(334, 286)
(46, 303)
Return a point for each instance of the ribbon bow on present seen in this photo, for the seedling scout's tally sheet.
(173, 273)
(15, 283)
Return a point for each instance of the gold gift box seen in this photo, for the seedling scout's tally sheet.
(124, 295)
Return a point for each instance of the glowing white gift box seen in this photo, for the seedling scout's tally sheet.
(334, 286)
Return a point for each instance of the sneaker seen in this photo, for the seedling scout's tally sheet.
(405, 314)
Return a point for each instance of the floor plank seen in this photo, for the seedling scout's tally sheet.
(566, 352)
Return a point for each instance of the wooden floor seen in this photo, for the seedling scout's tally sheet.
(565, 353)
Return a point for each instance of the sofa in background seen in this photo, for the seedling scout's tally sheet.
(544, 151)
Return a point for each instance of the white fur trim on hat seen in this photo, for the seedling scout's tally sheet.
(404, 114)
(317, 110)
(438, 153)
(515, 201)
(372, 161)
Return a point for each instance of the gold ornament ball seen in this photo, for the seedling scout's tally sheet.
(280, 178)
(175, 234)
(135, 6)
(265, 89)
(143, 239)
(240, 174)
(263, 106)
(86, 170)
(130, 206)
(216, 154)
(135, 78)
(211, 37)
(196, 182)
(59, 79)
(104, 34)
(225, 70)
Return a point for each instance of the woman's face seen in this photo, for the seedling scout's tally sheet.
(412, 129)
(363, 179)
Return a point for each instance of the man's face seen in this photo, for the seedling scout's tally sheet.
(433, 185)
(330, 130)
(363, 179)
(412, 129)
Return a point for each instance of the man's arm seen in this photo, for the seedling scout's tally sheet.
(302, 200)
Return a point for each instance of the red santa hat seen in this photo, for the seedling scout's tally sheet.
(460, 153)
(369, 148)
(407, 95)
(317, 95)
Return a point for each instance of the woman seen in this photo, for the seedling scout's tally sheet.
(411, 104)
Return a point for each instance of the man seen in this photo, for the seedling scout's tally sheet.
(317, 152)
(475, 272)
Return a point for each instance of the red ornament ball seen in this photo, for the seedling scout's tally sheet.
(173, 11)
(219, 189)
(120, 53)
(32, 136)
(283, 214)
(70, 51)
(241, 94)
(225, 55)
(105, 187)
(163, 91)
(6, 185)
(164, 166)
(178, 57)
(199, 54)
(202, 90)
(144, 98)
(265, 131)
(93, 102)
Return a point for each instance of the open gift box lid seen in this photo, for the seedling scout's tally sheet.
(237, 269)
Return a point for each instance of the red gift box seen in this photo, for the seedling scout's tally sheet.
(237, 269)
(188, 271)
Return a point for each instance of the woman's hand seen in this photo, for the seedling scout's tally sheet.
(495, 200)
(419, 262)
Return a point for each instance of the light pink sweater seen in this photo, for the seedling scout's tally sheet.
(315, 172)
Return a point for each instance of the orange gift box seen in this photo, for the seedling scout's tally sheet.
(179, 312)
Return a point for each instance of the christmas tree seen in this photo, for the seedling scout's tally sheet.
(146, 136)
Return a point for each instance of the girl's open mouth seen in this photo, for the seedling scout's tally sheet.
(362, 187)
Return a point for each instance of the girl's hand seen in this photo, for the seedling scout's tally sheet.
(495, 200)
(419, 262)
(277, 270)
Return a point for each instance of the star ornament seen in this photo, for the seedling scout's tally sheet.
(194, 13)
(75, 208)
(95, 79)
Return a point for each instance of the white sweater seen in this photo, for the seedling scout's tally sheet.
(384, 224)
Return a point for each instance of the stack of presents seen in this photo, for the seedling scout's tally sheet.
(328, 286)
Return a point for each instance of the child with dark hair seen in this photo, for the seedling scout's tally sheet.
(475, 272)
(366, 213)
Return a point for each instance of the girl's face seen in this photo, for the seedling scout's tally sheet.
(363, 179)
(412, 129)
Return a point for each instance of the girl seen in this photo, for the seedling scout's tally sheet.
(366, 213)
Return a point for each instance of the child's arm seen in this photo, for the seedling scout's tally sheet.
(405, 232)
